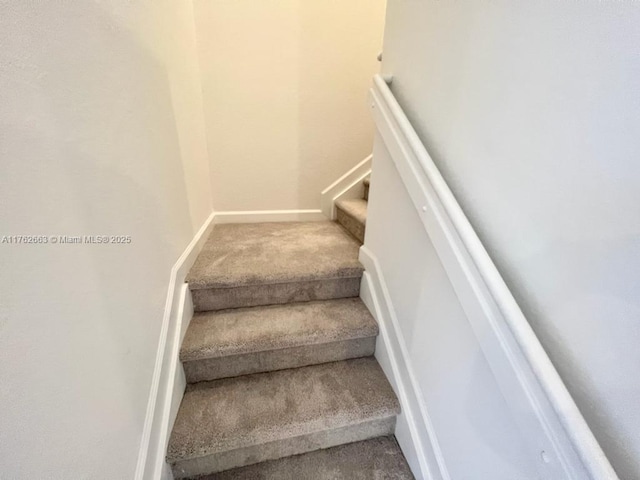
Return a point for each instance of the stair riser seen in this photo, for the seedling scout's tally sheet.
(352, 225)
(273, 294)
(268, 361)
(283, 448)
(366, 192)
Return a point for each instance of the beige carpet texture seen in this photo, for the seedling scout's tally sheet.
(278, 357)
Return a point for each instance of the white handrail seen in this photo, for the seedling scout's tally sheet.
(579, 433)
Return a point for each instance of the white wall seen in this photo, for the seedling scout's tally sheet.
(285, 85)
(474, 431)
(101, 132)
(530, 110)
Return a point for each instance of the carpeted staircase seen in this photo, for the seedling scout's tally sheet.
(278, 357)
(352, 213)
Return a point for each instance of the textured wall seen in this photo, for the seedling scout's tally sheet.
(101, 132)
(531, 109)
(285, 86)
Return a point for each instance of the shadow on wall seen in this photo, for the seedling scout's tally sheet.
(88, 146)
(338, 58)
(285, 96)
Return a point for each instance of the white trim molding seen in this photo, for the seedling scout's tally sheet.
(538, 399)
(348, 185)
(168, 383)
(414, 429)
(258, 216)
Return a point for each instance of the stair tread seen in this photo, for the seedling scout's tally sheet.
(271, 253)
(246, 330)
(355, 207)
(379, 458)
(229, 414)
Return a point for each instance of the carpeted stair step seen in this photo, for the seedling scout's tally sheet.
(352, 215)
(242, 341)
(379, 458)
(245, 265)
(366, 183)
(240, 421)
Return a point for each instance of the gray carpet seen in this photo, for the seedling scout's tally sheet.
(246, 330)
(245, 265)
(237, 421)
(279, 389)
(242, 341)
(376, 459)
(352, 215)
(268, 253)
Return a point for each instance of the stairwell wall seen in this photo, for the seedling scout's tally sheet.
(455, 422)
(101, 133)
(285, 86)
(530, 111)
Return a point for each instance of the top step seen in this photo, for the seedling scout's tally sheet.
(243, 265)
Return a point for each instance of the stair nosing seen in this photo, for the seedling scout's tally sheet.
(226, 285)
(205, 453)
(209, 356)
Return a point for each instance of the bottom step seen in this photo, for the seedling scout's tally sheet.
(379, 458)
(240, 421)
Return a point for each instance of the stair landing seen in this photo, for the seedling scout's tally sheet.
(248, 253)
(253, 264)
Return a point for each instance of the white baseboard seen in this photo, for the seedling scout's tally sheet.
(168, 383)
(347, 186)
(414, 430)
(259, 216)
